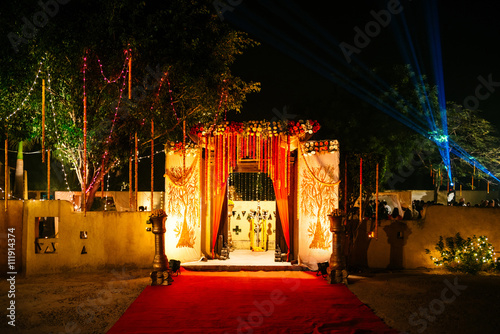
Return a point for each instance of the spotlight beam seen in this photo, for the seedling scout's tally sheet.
(278, 39)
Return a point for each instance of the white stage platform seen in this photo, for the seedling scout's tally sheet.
(244, 260)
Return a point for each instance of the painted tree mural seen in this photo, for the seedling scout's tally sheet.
(317, 200)
(183, 194)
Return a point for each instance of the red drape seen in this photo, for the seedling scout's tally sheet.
(281, 189)
(278, 171)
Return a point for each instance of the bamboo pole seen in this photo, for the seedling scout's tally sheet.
(473, 176)
(376, 204)
(136, 154)
(84, 186)
(6, 181)
(130, 180)
(130, 168)
(48, 174)
(25, 182)
(130, 76)
(360, 190)
(43, 120)
(152, 163)
(102, 182)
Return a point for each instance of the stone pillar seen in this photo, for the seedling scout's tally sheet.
(161, 274)
(337, 272)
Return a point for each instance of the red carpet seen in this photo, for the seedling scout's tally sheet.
(248, 302)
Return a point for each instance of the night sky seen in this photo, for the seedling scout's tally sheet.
(469, 41)
(469, 33)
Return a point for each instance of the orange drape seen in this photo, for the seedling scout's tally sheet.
(218, 200)
(219, 182)
(279, 172)
(281, 189)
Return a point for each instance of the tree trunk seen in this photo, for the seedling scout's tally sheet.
(91, 194)
(436, 190)
(19, 178)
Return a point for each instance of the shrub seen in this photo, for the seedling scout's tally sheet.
(469, 255)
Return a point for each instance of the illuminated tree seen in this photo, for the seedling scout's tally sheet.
(185, 39)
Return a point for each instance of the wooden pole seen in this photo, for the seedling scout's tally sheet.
(48, 174)
(152, 162)
(6, 181)
(473, 176)
(360, 190)
(43, 120)
(376, 204)
(136, 154)
(130, 181)
(130, 76)
(102, 182)
(130, 167)
(84, 187)
(25, 181)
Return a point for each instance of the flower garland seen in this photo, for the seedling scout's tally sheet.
(313, 147)
(324, 183)
(180, 181)
(302, 128)
(174, 147)
(259, 128)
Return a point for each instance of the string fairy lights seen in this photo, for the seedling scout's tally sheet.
(126, 63)
(123, 75)
(171, 98)
(48, 94)
(84, 176)
(53, 109)
(30, 90)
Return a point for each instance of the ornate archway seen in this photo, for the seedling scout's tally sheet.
(197, 175)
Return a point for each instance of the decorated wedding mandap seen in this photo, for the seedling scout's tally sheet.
(305, 179)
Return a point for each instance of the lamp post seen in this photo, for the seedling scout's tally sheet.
(337, 272)
(161, 274)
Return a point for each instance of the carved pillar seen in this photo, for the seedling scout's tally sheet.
(337, 272)
(161, 274)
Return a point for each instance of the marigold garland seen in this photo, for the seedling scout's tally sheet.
(257, 128)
